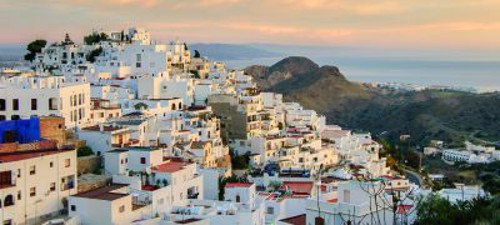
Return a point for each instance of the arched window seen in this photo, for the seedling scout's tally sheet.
(9, 200)
(173, 106)
(180, 106)
(238, 198)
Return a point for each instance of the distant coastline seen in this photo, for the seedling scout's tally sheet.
(460, 73)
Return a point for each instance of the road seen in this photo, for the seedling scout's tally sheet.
(414, 177)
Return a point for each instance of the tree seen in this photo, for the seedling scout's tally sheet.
(84, 151)
(239, 162)
(33, 48)
(197, 54)
(435, 210)
(93, 54)
(95, 37)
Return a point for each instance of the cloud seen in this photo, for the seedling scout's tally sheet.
(359, 7)
(146, 3)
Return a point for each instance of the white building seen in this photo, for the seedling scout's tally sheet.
(102, 137)
(108, 205)
(43, 96)
(34, 184)
(351, 204)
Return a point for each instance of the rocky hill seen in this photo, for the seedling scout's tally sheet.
(425, 115)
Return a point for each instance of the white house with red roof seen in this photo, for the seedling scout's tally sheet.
(182, 176)
(33, 184)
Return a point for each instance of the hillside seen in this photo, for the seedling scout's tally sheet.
(425, 115)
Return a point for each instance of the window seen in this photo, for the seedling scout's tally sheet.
(138, 65)
(73, 208)
(9, 200)
(53, 186)
(19, 195)
(18, 173)
(32, 170)
(52, 104)
(270, 210)
(122, 209)
(3, 117)
(238, 198)
(2, 104)
(67, 163)
(32, 191)
(347, 196)
(34, 104)
(51, 164)
(143, 160)
(15, 117)
(15, 104)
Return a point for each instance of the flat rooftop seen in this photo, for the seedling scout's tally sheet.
(105, 128)
(105, 193)
(23, 155)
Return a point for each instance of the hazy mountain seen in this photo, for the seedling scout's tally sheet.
(425, 115)
(10, 54)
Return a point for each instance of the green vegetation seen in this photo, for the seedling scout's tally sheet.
(93, 54)
(140, 106)
(33, 48)
(239, 162)
(435, 210)
(197, 54)
(84, 151)
(195, 73)
(489, 175)
(450, 116)
(95, 38)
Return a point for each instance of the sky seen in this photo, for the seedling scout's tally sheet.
(406, 24)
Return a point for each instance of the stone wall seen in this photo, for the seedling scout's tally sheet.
(52, 128)
(88, 164)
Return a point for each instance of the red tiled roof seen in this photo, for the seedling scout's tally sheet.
(104, 193)
(295, 220)
(333, 200)
(169, 167)
(299, 187)
(404, 209)
(17, 156)
(149, 188)
(238, 185)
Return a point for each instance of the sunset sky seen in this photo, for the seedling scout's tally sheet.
(457, 24)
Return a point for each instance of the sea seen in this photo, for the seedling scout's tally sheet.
(464, 69)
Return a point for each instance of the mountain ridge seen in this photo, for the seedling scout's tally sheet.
(423, 114)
